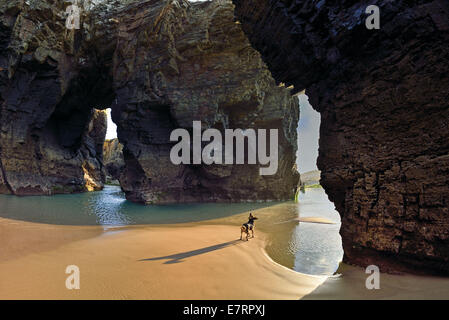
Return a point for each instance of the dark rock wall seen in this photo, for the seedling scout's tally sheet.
(177, 62)
(50, 136)
(113, 160)
(159, 65)
(382, 94)
(383, 97)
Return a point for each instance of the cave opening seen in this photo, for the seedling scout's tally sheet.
(308, 137)
(113, 159)
(316, 239)
(111, 132)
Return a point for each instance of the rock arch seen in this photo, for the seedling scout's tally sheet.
(383, 99)
(159, 65)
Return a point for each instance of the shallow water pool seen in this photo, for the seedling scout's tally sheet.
(302, 246)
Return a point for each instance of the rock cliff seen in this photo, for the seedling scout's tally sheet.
(311, 177)
(382, 95)
(113, 160)
(159, 65)
(383, 98)
(177, 62)
(51, 137)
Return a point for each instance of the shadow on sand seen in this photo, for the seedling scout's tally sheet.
(178, 257)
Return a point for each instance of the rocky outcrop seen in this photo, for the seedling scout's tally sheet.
(113, 160)
(51, 137)
(177, 62)
(311, 177)
(383, 99)
(159, 65)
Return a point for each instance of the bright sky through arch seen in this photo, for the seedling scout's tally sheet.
(111, 133)
(308, 136)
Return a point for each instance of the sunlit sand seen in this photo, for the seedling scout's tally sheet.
(315, 220)
(176, 262)
(181, 261)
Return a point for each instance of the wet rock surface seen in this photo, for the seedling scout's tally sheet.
(50, 135)
(159, 65)
(113, 160)
(383, 98)
(177, 62)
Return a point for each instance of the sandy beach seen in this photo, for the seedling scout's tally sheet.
(182, 261)
(201, 260)
(349, 284)
(204, 260)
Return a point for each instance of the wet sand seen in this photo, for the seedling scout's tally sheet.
(315, 220)
(350, 285)
(185, 261)
(19, 238)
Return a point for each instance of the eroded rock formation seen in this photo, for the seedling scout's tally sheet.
(159, 65)
(177, 62)
(50, 136)
(383, 97)
(113, 160)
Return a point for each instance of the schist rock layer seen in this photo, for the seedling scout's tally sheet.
(383, 97)
(177, 62)
(160, 65)
(51, 137)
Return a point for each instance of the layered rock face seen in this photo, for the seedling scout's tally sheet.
(177, 62)
(113, 160)
(159, 65)
(50, 137)
(383, 98)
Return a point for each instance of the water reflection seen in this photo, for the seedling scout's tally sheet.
(318, 246)
(312, 248)
(305, 247)
(109, 208)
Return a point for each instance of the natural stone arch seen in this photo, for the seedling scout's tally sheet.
(177, 62)
(51, 81)
(384, 137)
(143, 60)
